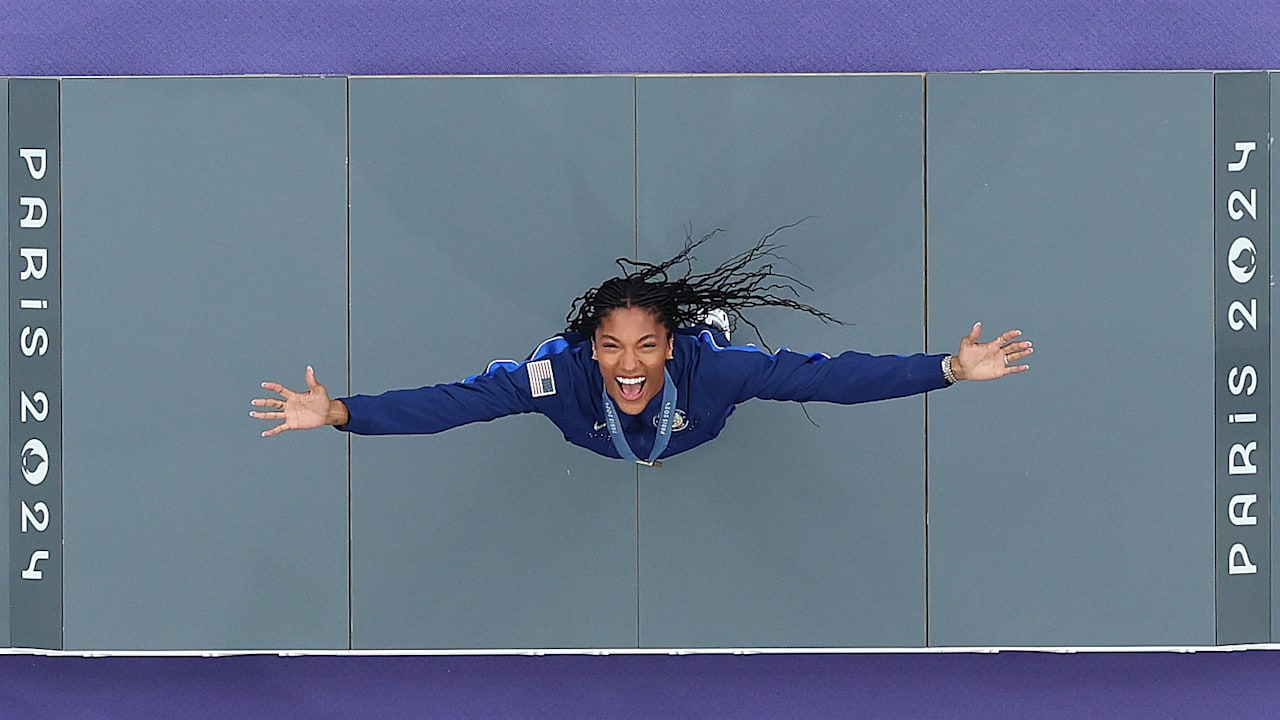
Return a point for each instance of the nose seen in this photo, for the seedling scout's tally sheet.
(630, 361)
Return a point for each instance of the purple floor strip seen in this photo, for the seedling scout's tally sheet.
(1004, 685)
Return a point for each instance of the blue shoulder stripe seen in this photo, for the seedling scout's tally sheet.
(708, 337)
(551, 346)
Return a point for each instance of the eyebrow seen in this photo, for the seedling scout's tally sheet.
(650, 336)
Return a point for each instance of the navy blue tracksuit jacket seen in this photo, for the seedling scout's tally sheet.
(561, 381)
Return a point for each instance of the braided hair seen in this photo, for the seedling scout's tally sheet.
(683, 299)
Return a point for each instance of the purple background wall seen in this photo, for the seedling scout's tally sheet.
(188, 37)
(389, 37)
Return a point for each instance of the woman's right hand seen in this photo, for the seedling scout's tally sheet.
(300, 411)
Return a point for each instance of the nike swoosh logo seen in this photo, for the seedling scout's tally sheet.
(601, 426)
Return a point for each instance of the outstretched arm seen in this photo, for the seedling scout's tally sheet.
(989, 360)
(300, 411)
(854, 377)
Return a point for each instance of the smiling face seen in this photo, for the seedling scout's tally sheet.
(632, 348)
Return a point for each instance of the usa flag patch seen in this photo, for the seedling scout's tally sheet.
(542, 381)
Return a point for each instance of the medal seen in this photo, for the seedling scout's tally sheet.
(666, 418)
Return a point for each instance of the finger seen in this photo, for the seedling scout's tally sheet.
(1008, 336)
(278, 388)
(311, 378)
(976, 332)
(1015, 351)
(267, 415)
(276, 430)
(1016, 356)
(268, 402)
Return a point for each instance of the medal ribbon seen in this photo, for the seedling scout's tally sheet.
(666, 418)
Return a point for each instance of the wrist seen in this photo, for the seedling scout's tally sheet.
(338, 414)
(950, 370)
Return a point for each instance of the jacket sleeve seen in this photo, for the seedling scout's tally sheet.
(849, 378)
(499, 392)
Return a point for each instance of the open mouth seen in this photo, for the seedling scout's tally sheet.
(630, 388)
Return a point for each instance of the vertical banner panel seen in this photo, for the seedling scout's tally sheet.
(799, 526)
(204, 252)
(1078, 208)
(480, 207)
(1242, 338)
(4, 360)
(1275, 350)
(35, 380)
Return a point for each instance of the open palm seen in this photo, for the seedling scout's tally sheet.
(990, 360)
(298, 411)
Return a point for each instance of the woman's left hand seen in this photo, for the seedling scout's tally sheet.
(990, 360)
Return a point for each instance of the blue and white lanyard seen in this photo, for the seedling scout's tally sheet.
(666, 418)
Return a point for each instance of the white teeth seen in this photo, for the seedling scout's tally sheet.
(630, 381)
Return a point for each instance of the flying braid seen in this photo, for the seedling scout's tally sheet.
(746, 280)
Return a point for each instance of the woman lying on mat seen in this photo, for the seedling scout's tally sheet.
(645, 369)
